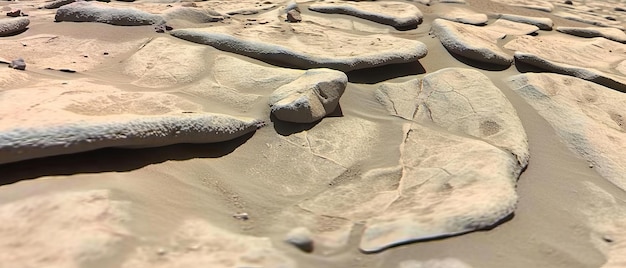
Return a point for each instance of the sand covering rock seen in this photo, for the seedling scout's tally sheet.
(588, 118)
(473, 42)
(397, 14)
(90, 225)
(308, 46)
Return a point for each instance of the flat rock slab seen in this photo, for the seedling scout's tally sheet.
(308, 46)
(399, 98)
(542, 23)
(511, 28)
(198, 243)
(462, 15)
(473, 42)
(83, 116)
(13, 25)
(91, 12)
(57, 4)
(614, 34)
(589, 118)
(310, 97)
(397, 14)
(531, 4)
(589, 74)
(90, 224)
(588, 18)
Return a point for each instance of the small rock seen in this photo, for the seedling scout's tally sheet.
(67, 70)
(189, 4)
(568, 2)
(620, 9)
(161, 28)
(301, 238)
(105, 53)
(161, 251)
(15, 13)
(590, 165)
(241, 216)
(607, 239)
(18, 64)
(294, 16)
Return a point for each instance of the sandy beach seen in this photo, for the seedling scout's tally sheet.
(417, 133)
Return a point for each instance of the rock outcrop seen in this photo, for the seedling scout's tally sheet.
(90, 12)
(401, 16)
(13, 25)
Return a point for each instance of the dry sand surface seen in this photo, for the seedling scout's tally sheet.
(423, 133)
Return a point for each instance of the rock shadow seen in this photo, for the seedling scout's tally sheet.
(487, 228)
(479, 64)
(113, 159)
(382, 73)
(288, 128)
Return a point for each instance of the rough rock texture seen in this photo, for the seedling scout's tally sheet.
(310, 97)
(589, 118)
(199, 244)
(589, 74)
(308, 46)
(589, 32)
(400, 99)
(57, 4)
(397, 14)
(18, 64)
(588, 18)
(84, 116)
(543, 23)
(473, 42)
(462, 15)
(89, 224)
(90, 12)
(195, 15)
(294, 16)
(511, 28)
(13, 25)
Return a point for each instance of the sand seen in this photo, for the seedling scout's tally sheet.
(387, 179)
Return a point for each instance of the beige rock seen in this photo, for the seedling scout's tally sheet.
(540, 5)
(434, 263)
(511, 28)
(397, 14)
(462, 15)
(588, 118)
(588, 32)
(400, 98)
(67, 229)
(542, 23)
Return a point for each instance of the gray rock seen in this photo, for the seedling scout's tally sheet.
(543, 23)
(399, 15)
(15, 13)
(90, 12)
(13, 25)
(301, 238)
(196, 15)
(57, 4)
(472, 42)
(18, 64)
(309, 98)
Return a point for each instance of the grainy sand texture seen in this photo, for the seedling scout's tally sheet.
(313, 133)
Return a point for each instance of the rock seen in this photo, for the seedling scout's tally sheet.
(13, 26)
(18, 64)
(301, 238)
(586, 17)
(294, 16)
(57, 4)
(14, 13)
(198, 243)
(543, 23)
(91, 117)
(241, 216)
(589, 74)
(401, 16)
(90, 223)
(434, 263)
(588, 118)
(589, 32)
(462, 15)
(511, 28)
(90, 12)
(540, 5)
(191, 14)
(310, 97)
(471, 42)
(291, 5)
(308, 46)
(568, 2)
(399, 99)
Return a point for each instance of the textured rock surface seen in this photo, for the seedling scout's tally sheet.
(397, 14)
(89, 223)
(90, 12)
(198, 243)
(588, 32)
(540, 5)
(542, 23)
(462, 15)
(13, 25)
(310, 97)
(588, 118)
(57, 4)
(511, 28)
(267, 42)
(400, 99)
(90, 117)
(473, 42)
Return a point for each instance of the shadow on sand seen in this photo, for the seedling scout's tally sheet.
(113, 159)
(288, 128)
